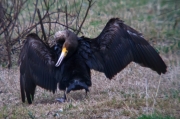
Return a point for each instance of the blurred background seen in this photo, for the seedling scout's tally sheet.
(136, 92)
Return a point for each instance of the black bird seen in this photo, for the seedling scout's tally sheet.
(110, 52)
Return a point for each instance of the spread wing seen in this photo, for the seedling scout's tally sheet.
(37, 66)
(118, 45)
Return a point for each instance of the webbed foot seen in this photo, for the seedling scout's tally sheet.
(63, 99)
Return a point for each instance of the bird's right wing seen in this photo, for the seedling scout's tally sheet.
(37, 64)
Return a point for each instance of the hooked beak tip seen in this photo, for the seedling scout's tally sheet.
(56, 65)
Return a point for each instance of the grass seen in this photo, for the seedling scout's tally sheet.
(155, 116)
(135, 92)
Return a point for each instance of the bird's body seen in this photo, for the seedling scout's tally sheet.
(110, 52)
(74, 70)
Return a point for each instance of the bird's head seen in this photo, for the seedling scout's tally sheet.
(70, 43)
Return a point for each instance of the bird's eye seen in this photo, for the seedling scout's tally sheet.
(56, 47)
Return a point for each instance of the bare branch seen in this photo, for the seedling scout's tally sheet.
(89, 6)
(42, 27)
(78, 13)
(34, 11)
(17, 20)
(66, 17)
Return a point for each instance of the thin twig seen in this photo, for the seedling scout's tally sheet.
(28, 30)
(66, 18)
(42, 27)
(62, 25)
(49, 25)
(87, 11)
(78, 13)
(154, 102)
(147, 96)
(34, 11)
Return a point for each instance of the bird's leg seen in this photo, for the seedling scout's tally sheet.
(63, 99)
(86, 94)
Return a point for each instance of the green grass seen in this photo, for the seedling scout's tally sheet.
(155, 116)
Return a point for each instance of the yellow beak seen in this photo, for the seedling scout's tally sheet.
(62, 56)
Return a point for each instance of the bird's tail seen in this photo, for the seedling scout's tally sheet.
(77, 85)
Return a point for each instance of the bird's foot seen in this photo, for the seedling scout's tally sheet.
(61, 100)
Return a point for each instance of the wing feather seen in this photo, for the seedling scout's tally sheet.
(118, 45)
(37, 63)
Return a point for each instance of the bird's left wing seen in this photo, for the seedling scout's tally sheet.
(118, 45)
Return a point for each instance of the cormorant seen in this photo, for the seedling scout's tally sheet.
(69, 61)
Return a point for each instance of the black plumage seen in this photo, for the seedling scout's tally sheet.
(70, 60)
